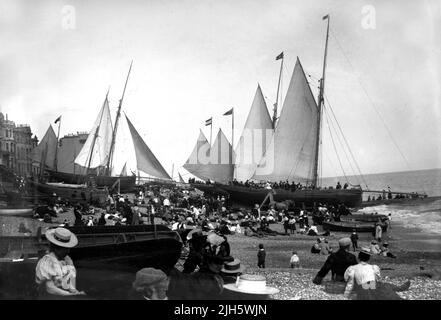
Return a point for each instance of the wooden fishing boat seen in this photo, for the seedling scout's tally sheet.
(126, 183)
(350, 226)
(72, 192)
(288, 150)
(21, 212)
(364, 217)
(250, 196)
(107, 258)
(105, 155)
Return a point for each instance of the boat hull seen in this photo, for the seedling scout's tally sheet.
(250, 196)
(127, 183)
(106, 258)
(21, 212)
(86, 194)
(210, 189)
(346, 226)
(364, 217)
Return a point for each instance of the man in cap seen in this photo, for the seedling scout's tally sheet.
(150, 284)
(337, 262)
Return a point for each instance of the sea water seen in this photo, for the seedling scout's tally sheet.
(416, 223)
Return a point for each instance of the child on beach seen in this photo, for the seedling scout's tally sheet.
(261, 255)
(294, 261)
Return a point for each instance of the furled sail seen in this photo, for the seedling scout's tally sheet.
(146, 160)
(291, 153)
(44, 153)
(197, 163)
(96, 148)
(257, 133)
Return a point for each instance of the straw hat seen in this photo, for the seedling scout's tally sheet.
(366, 250)
(344, 242)
(61, 237)
(233, 267)
(251, 284)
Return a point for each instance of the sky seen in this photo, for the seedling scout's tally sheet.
(196, 59)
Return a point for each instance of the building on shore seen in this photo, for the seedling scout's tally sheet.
(16, 145)
(69, 147)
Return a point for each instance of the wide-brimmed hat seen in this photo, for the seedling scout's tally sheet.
(61, 237)
(366, 250)
(344, 242)
(233, 267)
(195, 233)
(147, 277)
(251, 284)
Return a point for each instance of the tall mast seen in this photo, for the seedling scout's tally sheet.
(280, 56)
(56, 147)
(118, 114)
(96, 134)
(320, 108)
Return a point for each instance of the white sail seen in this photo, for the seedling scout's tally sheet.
(97, 146)
(44, 153)
(221, 166)
(197, 163)
(291, 153)
(257, 133)
(145, 159)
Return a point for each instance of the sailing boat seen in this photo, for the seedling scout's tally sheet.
(293, 150)
(98, 154)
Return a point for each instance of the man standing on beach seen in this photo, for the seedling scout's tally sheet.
(337, 262)
(261, 255)
(354, 240)
(378, 232)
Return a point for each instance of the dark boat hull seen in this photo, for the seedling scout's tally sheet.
(87, 194)
(127, 183)
(411, 201)
(210, 189)
(106, 259)
(346, 226)
(363, 217)
(250, 196)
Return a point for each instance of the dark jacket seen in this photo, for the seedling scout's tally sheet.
(261, 255)
(202, 285)
(337, 263)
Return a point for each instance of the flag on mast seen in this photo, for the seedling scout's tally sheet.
(326, 17)
(229, 112)
(280, 56)
(58, 119)
(208, 122)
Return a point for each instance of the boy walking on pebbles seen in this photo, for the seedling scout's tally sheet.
(294, 261)
(261, 255)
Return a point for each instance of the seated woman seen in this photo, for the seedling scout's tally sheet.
(364, 280)
(316, 247)
(55, 273)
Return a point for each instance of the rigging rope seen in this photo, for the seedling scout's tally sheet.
(371, 102)
(343, 146)
(347, 144)
(335, 148)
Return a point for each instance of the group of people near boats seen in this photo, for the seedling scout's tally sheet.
(357, 279)
(209, 273)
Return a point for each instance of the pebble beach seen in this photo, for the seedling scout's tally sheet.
(420, 267)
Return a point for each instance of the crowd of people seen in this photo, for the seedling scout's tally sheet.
(204, 222)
